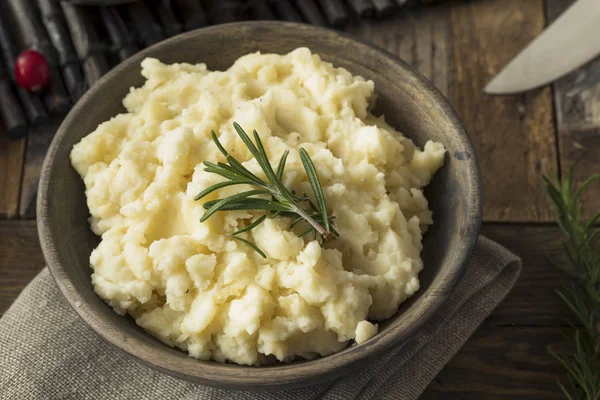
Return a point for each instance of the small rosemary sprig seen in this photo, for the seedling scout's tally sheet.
(276, 200)
(582, 294)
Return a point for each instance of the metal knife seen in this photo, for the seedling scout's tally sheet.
(569, 42)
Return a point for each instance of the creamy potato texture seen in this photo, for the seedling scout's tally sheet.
(193, 287)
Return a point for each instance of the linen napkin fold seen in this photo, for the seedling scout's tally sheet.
(47, 352)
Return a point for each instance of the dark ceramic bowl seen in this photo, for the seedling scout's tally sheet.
(410, 103)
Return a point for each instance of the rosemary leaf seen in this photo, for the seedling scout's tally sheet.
(585, 185)
(249, 243)
(281, 165)
(229, 200)
(306, 232)
(219, 185)
(295, 222)
(224, 172)
(253, 225)
(313, 178)
(218, 143)
(238, 167)
(582, 294)
(248, 204)
(267, 165)
(247, 142)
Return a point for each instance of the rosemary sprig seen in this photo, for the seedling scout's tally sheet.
(582, 294)
(276, 200)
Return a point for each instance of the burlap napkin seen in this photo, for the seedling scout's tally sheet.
(47, 352)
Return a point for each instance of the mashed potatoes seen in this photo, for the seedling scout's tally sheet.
(193, 287)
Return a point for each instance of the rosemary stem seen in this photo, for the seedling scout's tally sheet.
(283, 201)
(311, 221)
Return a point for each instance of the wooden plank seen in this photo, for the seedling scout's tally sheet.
(395, 34)
(37, 146)
(11, 166)
(20, 259)
(533, 300)
(423, 60)
(578, 119)
(514, 135)
(419, 37)
(502, 363)
(441, 50)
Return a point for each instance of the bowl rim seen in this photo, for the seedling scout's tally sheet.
(234, 376)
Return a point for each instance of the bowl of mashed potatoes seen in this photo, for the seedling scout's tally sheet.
(120, 225)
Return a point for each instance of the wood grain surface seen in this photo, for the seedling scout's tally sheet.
(11, 165)
(420, 38)
(20, 259)
(500, 364)
(37, 144)
(514, 135)
(577, 107)
(533, 300)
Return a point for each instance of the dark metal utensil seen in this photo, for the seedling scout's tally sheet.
(34, 109)
(363, 8)
(286, 11)
(118, 33)
(53, 20)
(406, 3)
(223, 11)
(10, 109)
(34, 36)
(163, 10)
(85, 40)
(259, 9)
(191, 13)
(100, 2)
(311, 12)
(149, 32)
(335, 12)
(383, 8)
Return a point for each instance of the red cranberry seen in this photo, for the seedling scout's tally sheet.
(32, 71)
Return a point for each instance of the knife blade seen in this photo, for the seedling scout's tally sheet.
(571, 41)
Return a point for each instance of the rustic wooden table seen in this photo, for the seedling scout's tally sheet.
(459, 46)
